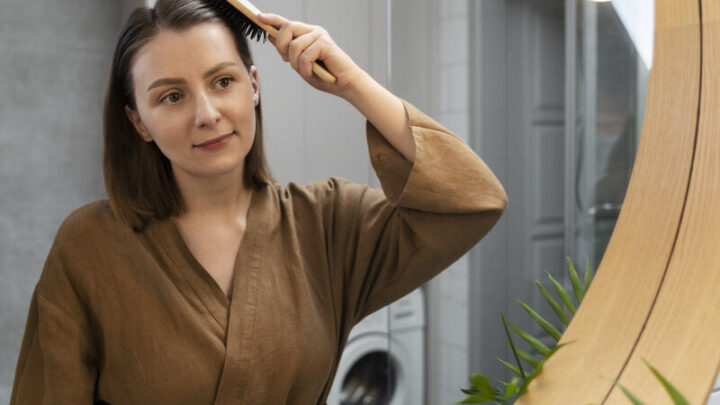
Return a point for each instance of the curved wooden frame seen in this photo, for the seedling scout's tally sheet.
(658, 286)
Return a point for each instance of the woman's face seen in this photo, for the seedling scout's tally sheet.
(191, 87)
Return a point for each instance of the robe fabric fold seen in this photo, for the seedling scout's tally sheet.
(120, 317)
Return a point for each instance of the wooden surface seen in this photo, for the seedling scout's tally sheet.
(611, 321)
(682, 334)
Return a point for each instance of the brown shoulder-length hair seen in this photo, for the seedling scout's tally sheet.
(138, 177)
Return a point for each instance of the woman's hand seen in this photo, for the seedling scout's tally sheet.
(302, 44)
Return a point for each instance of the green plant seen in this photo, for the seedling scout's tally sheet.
(482, 391)
(677, 397)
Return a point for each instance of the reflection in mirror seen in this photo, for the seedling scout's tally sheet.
(614, 56)
(551, 94)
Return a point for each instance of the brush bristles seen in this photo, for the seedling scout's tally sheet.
(237, 20)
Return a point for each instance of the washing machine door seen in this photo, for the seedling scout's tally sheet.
(368, 374)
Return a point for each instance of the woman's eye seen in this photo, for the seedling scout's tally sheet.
(225, 82)
(172, 98)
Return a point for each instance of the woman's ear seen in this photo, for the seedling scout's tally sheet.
(134, 118)
(255, 84)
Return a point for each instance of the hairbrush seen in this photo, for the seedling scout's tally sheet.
(243, 16)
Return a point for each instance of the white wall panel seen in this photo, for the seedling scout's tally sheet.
(547, 170)
(283, 94)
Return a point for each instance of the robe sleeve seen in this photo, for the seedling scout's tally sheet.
(428, 214)
(57, 357)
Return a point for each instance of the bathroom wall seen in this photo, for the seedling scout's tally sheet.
(54, 56)
(449, 293)
(430, 45)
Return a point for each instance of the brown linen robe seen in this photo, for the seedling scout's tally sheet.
(132, 318)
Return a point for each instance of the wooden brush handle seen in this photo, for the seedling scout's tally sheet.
(251, 12)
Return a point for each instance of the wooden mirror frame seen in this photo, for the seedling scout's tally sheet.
(656, 295)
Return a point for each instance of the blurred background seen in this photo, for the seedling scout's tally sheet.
(550, 93)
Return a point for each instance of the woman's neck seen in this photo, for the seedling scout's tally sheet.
(220, 200)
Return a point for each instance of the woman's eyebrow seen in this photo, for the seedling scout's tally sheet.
(174, 80)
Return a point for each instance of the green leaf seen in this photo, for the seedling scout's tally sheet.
(511, 366)
(539, 346)
(539, 368)
(588, 275)
(630, 396)
(471, 391)
(564, 318)
(547, 326)
(512, 345)
(482, 384)
(511, 388)
(562, 293)
(531, 376)
(575, 281)
(677, 397)
(559, 346)
(528, 358)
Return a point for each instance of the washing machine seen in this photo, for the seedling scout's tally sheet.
(384, 360)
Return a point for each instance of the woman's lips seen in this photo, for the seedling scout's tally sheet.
(220, 138)
(216, 143)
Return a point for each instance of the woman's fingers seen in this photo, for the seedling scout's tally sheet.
(272, 19)
(305, 60)
(298, 45)
(287, 31)
(282, 41)
(302, 44)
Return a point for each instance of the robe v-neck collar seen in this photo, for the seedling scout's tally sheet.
(263, 216)
(237, 316)
(246, 263)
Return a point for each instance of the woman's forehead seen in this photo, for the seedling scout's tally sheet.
(192, 50)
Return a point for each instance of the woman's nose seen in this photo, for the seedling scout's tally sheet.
(206, 115)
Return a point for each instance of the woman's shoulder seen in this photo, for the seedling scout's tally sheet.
(327, 198)
(89, 222)
(328, 189)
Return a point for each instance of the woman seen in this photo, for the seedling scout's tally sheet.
(200, 281)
